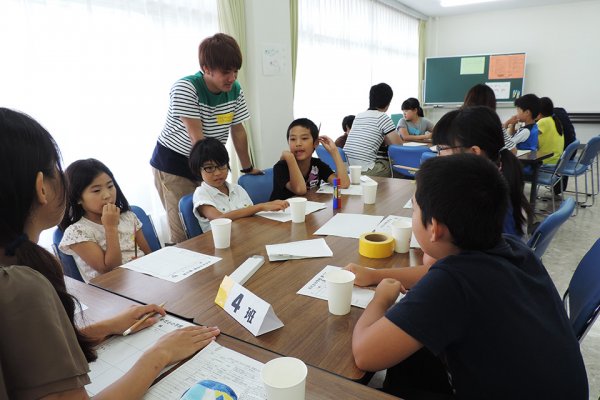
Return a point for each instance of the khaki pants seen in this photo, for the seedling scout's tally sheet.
(171, 188)
(381, 168)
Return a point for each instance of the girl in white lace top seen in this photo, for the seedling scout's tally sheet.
(100, 230)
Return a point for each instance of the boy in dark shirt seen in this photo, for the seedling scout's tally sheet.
(487, 307)
(298, 171)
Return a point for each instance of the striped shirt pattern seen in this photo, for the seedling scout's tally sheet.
(218, 113)
(366, 136)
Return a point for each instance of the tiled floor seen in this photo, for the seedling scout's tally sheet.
(570, 244)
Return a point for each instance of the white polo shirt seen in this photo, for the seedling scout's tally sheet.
(208, 195)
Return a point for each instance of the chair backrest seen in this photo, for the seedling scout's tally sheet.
(324, 156)
(147, 228)
(590, 151)
(188, 219)
(408, 157)
(582, 297)
(396, 118)
(259, 187)
(543, 235)
(68, 262)
(427, 155)
(566, 155)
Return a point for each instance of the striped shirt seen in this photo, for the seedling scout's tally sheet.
(366, 136)
(191, 98)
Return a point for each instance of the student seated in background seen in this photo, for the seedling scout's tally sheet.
(414, 126)
(98, 225)
(370, 130)
(44, 355)
(346, 126)
(526, 137)
(483, 95)
(487, 307)
(297, 171)
(215, 197)
(551, 138)
(570, 137)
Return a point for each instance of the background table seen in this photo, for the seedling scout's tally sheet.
(319, 384)
(310, 332)
(534, 159)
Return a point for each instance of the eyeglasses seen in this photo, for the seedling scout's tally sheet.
(439, 148)
(209, 169)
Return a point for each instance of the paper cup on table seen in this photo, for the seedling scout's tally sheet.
(339, 291)
(402, 233)
(221, 231)
(284, 378)
(369, 192)
(355, 172)
(298, 208)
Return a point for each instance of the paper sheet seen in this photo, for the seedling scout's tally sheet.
(214, 363)
(317, 288)
(472, 65)
(386, 226)
(414, 144)
(171, 263)
(501, 89)
(349, 225)
(286, 215)
(296, 250)
(353, 190)
(118, 354)
(522, 152)
(408, 204)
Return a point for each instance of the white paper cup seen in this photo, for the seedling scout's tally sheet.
(221, 231)
(298, 208)
(284, 378)
(355, 172)
(339, 291)
(369, 192)
(402, 233)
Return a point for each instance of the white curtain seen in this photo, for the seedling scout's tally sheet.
(97, 74)
(345, 47)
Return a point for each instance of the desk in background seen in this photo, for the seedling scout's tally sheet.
(310, 332)
(534, 159)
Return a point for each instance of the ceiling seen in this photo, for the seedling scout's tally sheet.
(432, 8)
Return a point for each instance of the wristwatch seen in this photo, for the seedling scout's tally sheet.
(246, 170)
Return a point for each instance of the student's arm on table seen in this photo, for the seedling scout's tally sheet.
(211, 212)
(377, 343)
(142, 243)
(240, 142)
(371, 277)
(340, 167)
(193, 126)
(296, 184)
(393, 138)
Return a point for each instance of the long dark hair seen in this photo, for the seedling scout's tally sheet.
(480, 95)
(480, 126)
(80, 174)
(410, 104)
(547, 110)
(26, 148)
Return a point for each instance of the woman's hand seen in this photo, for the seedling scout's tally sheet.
(126, 319)
(184, 342)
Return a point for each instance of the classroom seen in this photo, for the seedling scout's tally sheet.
(102, 93)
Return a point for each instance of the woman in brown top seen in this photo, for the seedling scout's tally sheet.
(42, 353)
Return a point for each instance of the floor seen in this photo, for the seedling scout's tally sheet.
(570, 244)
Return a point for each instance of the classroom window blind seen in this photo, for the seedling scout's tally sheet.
(345, 47)
(97, 75)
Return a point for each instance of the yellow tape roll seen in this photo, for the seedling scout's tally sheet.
(376, 245)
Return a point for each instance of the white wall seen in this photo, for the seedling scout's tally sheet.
(270, 97)
(562, 43)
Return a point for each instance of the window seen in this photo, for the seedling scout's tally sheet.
(345, 47)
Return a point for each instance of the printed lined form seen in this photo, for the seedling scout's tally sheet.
(297, 250)
(349, 225)
(171, 263)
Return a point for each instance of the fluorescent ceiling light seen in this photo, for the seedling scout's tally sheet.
(455, 3)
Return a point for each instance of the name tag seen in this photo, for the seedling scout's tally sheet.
(224, 118)
(252, 312)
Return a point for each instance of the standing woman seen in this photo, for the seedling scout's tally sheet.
(43, 355)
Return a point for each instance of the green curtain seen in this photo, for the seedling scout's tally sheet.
(294, 43)
(232, 21)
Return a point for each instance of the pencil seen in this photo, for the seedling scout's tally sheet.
(141, 321)
(134, 243)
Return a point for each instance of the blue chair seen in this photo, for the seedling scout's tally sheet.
(396, 118)
(406, 160)
(581, 166)
(582, 297)
(259, 187)
(147, 228)
(324, 155)
(427, 155)
(543, 235)
(68, 262)
(188, 219)
(551, 175)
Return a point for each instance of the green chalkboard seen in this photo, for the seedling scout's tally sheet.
(448, 79)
